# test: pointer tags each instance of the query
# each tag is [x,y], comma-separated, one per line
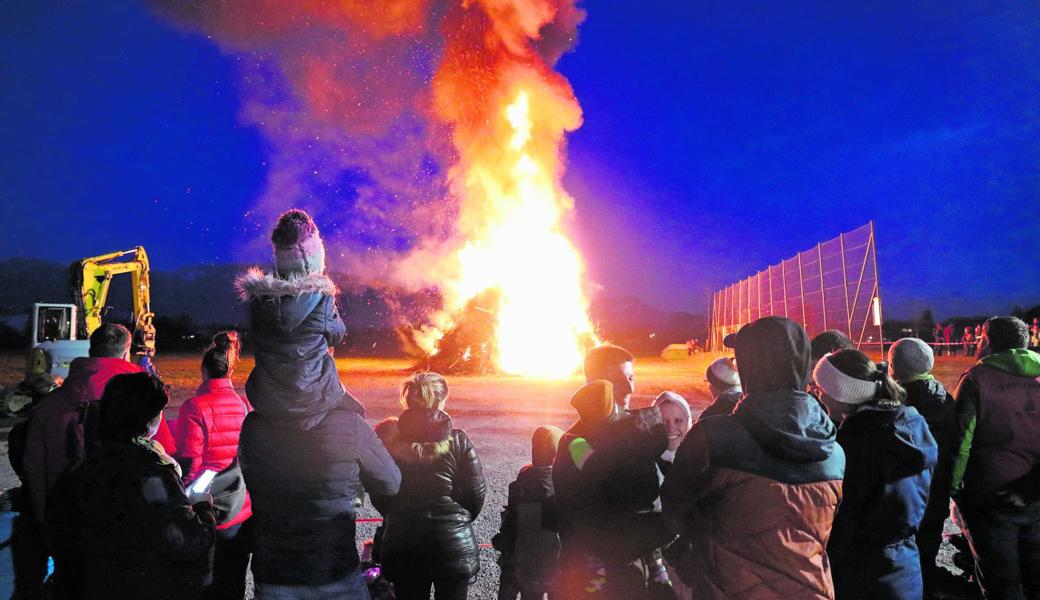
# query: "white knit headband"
[842,387]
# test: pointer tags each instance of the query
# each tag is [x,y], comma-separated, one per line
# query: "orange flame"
[510,112]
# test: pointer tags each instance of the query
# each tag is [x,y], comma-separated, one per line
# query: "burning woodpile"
[468,348]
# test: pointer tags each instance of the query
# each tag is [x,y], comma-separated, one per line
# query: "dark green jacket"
[998,415]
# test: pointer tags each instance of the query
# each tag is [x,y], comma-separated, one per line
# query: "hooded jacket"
[293,324]
[890,454]
[428,527]
[752,495]
[208,429]
[607,487]
[55,438]
[303,465]
[998,417]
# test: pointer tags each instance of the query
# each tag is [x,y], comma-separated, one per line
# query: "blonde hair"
[424,390]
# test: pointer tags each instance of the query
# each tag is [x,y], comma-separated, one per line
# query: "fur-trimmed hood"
[255,284]
[419,435]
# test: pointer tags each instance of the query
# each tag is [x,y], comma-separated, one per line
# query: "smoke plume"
[345,94]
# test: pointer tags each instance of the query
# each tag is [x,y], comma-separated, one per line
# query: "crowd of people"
[815,472]
[973,340]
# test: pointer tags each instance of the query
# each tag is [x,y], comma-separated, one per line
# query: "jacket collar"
[216,384]
[254,283]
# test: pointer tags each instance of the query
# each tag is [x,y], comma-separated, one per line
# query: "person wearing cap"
[910,362]
[752,495]
[996,479]
[607,486]
[724,385]
[527,539]
[890,454]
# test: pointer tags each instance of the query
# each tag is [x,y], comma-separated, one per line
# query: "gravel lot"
[498,413]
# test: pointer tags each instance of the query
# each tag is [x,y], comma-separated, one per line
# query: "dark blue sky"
[718,138]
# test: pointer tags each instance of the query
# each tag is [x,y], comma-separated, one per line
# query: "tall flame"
[521,251]
[510,112]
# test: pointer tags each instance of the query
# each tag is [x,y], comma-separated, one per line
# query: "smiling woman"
[678,419]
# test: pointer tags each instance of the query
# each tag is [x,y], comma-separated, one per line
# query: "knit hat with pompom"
[298,249]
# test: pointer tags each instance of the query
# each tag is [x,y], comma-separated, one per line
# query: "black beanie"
[129,403]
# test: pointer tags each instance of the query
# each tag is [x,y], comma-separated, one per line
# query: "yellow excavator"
[57,336]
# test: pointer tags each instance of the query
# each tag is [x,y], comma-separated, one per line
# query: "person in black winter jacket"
[528,540]
[306,449]
[910,362]
[889,458]
[428,537]
[121,524]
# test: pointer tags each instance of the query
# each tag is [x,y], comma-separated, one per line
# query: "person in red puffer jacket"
[207,439]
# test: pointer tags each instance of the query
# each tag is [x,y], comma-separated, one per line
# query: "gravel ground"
[498,413]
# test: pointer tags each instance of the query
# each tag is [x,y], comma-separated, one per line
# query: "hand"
[196,497]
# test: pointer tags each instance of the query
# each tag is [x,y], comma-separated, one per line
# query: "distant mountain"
[642,329]
[24,281]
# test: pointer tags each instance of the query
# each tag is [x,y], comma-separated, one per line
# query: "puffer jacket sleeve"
[683,486]
[335,328]
[190,440]
[469,486]
[172,526]
[379,473]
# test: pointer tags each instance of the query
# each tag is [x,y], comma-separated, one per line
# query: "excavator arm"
[93,280]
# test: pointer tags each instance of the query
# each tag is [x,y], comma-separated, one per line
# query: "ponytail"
[222,355]
[888,389]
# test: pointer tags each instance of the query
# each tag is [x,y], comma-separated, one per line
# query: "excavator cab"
[54,343]
[52,322]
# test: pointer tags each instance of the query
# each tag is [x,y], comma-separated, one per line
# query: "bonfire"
[514,297]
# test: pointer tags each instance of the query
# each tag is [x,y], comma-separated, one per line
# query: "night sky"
[718,139]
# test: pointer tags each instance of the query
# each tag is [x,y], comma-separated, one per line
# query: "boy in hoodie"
[305,449]
[995,473]
[752,495]
[605,478]
[724,385]
[527,539]
[889,455]
[910,362]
